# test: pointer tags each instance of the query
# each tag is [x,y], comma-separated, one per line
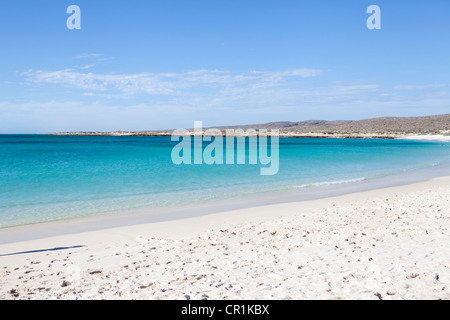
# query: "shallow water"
[46,178]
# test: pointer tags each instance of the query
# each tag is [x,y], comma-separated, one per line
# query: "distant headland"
[384,128]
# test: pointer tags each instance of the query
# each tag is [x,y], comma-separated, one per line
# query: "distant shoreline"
[413,136]
[420,128]
[168,134]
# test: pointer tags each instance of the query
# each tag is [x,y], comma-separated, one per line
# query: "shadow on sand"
[42,250]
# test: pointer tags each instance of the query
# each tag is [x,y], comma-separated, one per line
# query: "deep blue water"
[44,178]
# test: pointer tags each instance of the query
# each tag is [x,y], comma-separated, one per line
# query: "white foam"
[329,183]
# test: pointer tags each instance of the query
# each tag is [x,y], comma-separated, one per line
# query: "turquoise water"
[45,178]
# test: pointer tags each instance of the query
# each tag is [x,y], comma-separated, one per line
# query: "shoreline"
[407,226]
[111,220]
[380,127]
[317,135]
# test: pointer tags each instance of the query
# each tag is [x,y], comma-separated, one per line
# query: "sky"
[149,65]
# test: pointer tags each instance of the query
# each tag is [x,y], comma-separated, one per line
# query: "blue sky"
[138,65]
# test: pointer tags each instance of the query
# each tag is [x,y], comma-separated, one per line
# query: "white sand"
[429,137]
[391,243]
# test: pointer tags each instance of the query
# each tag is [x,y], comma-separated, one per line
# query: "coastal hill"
[429,124]
[386,127]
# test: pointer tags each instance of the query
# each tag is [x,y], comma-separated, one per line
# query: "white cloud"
[421,86]
[89,55]
[144,101]
[231,106]
[167,83]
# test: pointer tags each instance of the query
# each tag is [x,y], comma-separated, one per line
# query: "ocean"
[48,178]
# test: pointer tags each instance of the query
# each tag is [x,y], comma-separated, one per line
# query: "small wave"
[329,183]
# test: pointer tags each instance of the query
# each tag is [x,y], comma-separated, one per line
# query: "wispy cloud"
[139,101]
[240,108]
[168,83]
[89,55]
[422,86]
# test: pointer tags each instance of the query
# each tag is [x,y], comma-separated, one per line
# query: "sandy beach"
[391,243]
[222,151]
